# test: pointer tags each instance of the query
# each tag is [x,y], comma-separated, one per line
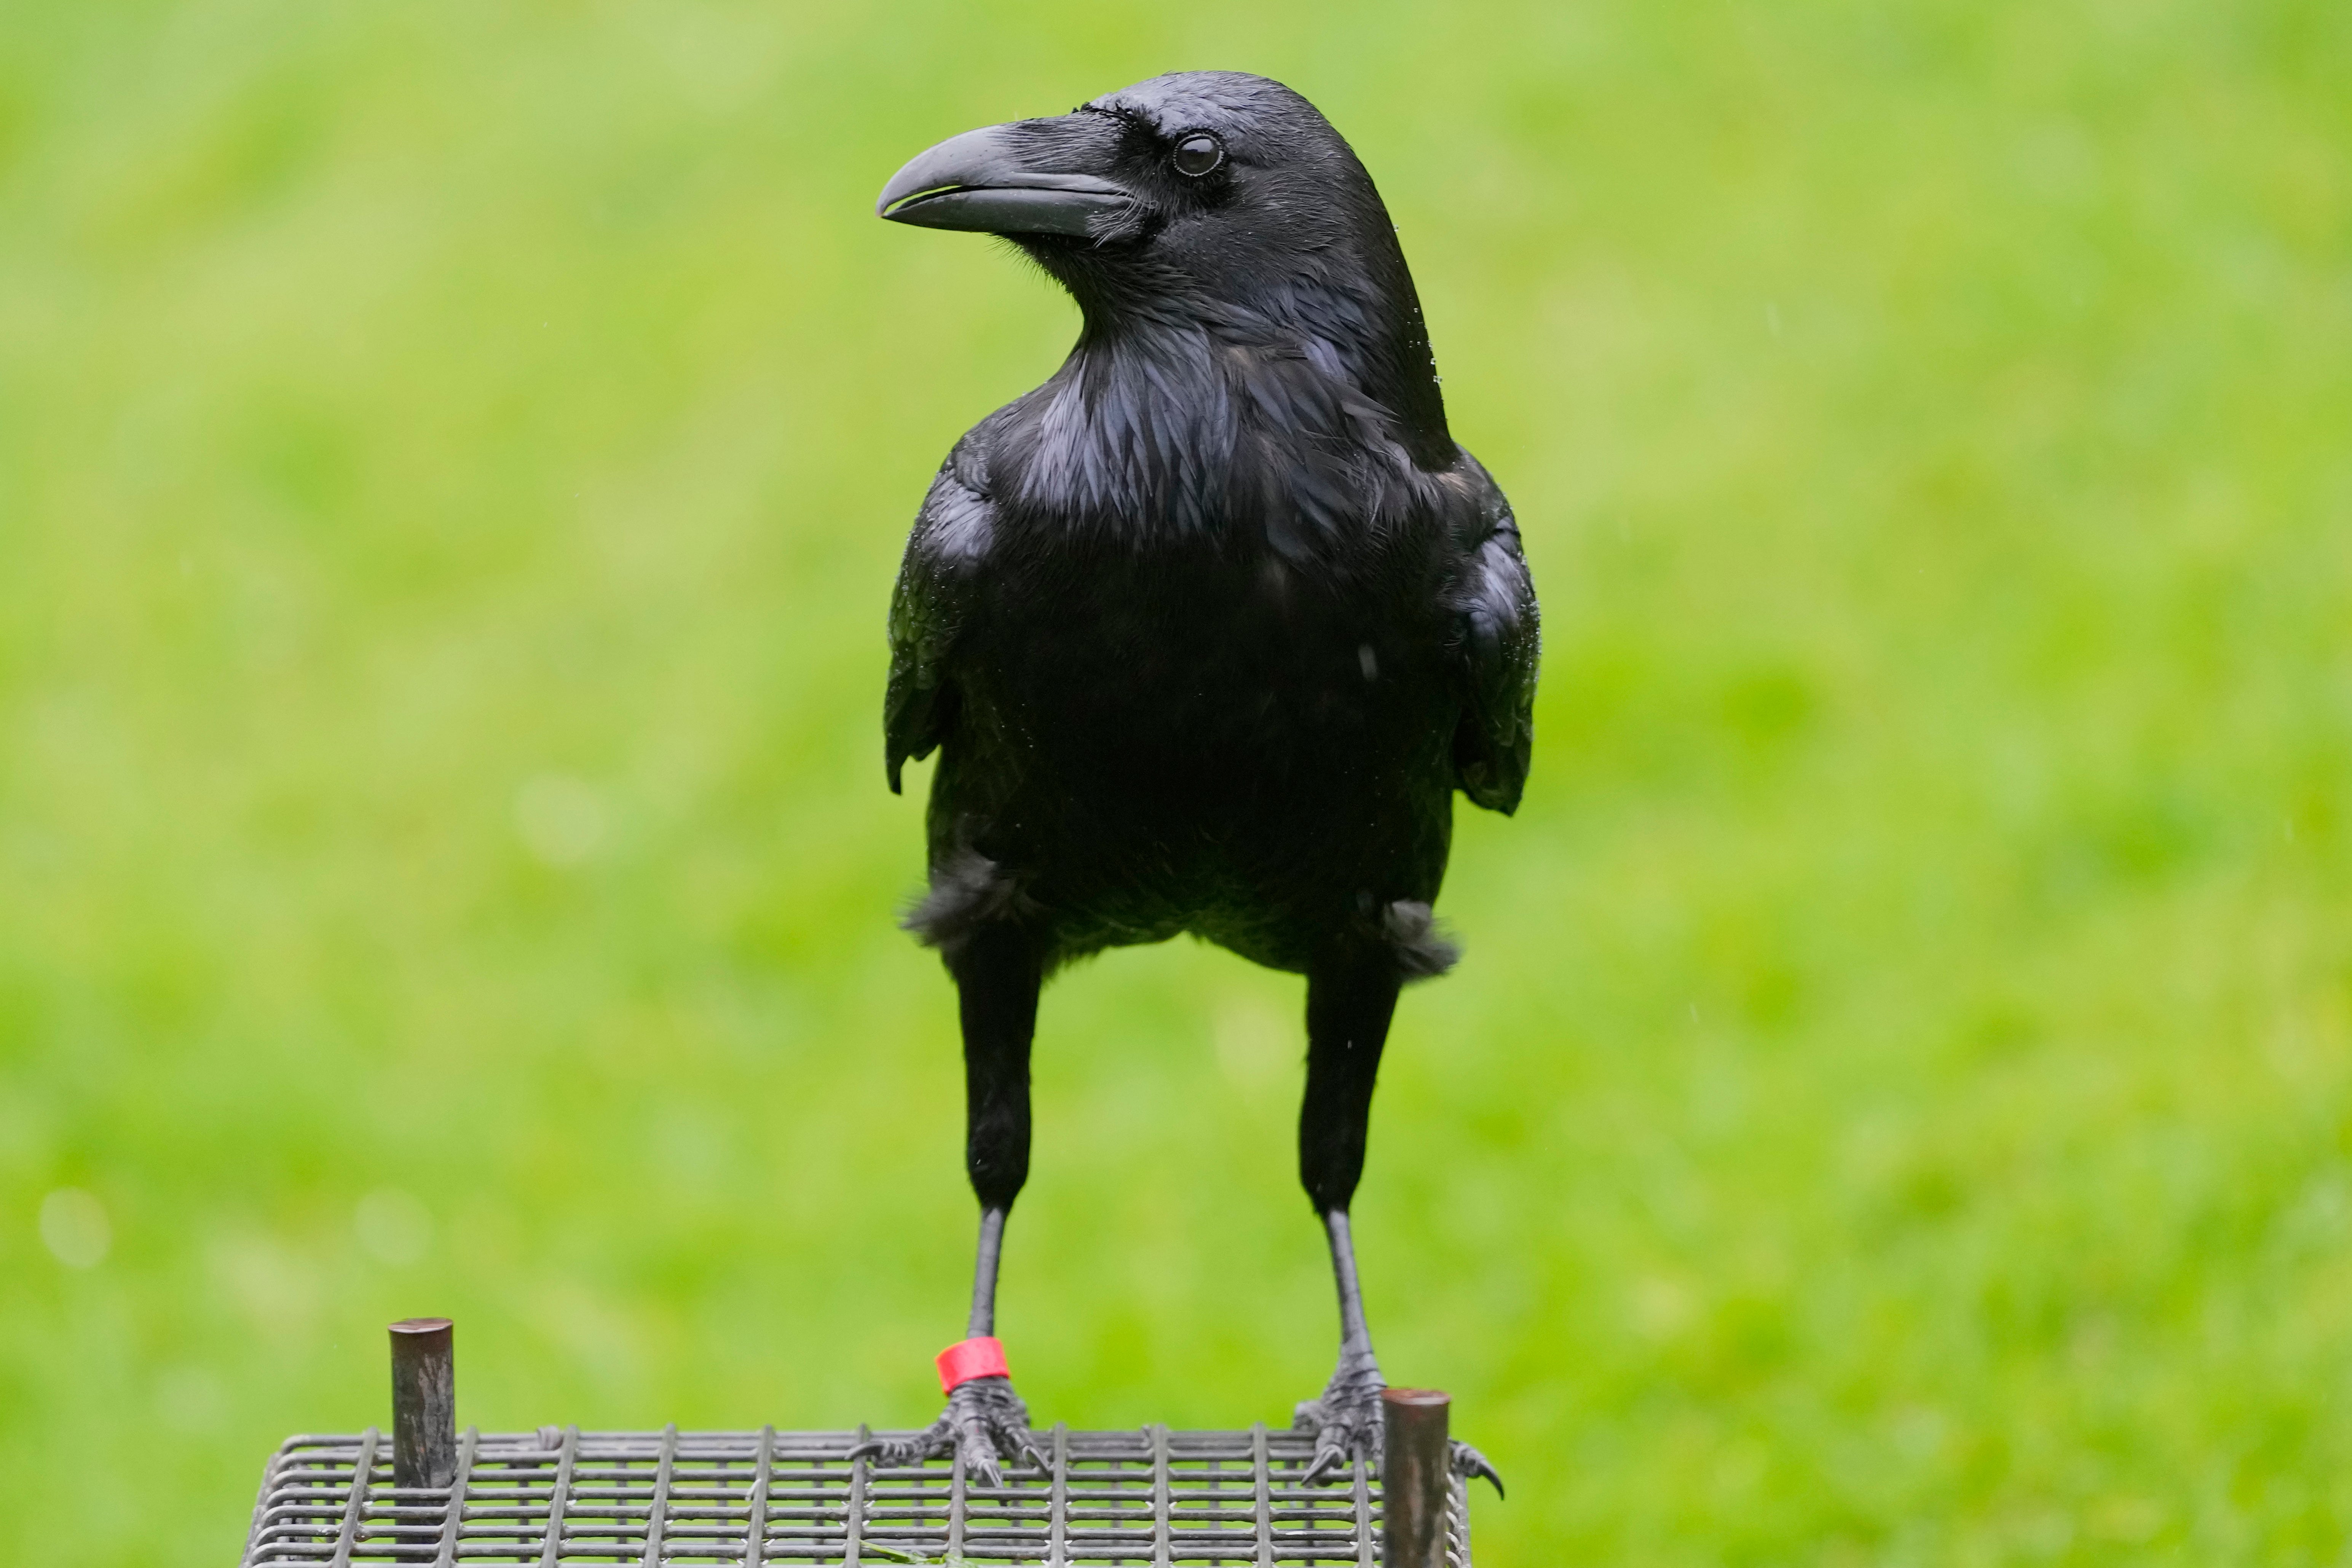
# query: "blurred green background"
[1896,1109]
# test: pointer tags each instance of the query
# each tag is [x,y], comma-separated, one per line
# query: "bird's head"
[1205,198]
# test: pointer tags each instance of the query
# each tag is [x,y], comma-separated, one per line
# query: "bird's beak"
[1031,176]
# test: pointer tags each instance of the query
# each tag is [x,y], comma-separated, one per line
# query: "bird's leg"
[983,1274]
[1348,1014]
[1346,1417]
[997,976]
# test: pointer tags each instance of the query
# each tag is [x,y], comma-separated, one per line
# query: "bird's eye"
[1197,153]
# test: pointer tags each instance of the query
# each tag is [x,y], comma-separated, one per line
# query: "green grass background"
[1895,1108]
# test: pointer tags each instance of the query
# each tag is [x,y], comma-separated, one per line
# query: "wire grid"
[557,1496]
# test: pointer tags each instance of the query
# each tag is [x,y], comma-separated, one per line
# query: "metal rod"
[424,1404]
[657,1512]
[453,1520]
[1057,1533]
[261,1503]
[852,1549]
[1262,1483]
[1162,1548]
[355,1505]
[1416,1469]
[1358,1468]
[958,1490]
[559,1497]
[755,1529]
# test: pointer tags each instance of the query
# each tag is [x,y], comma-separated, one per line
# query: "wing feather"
[1500,639]
[929,608]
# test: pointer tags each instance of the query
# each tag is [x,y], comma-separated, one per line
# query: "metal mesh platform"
[557,1496]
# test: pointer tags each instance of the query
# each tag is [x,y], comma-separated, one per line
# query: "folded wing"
[929,608]
[1498,642]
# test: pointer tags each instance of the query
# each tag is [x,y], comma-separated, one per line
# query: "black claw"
[1326,1458]
[1036,1456]
[1468,1462]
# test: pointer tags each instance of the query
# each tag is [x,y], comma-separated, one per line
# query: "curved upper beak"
[1031,176]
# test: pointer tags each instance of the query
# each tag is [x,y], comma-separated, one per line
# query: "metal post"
[424,1404]
[1414,1477]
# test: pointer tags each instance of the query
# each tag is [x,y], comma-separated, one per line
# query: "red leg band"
[962,1362]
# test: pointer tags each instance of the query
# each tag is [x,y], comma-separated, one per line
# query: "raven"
[1206,631]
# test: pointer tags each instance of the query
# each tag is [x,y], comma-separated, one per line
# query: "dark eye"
[1197,153]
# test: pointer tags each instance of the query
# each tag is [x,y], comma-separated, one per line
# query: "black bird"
[1206,630]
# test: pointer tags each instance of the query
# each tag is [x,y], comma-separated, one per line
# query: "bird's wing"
[928,609]
[1495,621]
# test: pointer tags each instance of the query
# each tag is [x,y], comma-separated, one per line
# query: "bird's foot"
[1345,1417]
[1347,1422]
[984,1422]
